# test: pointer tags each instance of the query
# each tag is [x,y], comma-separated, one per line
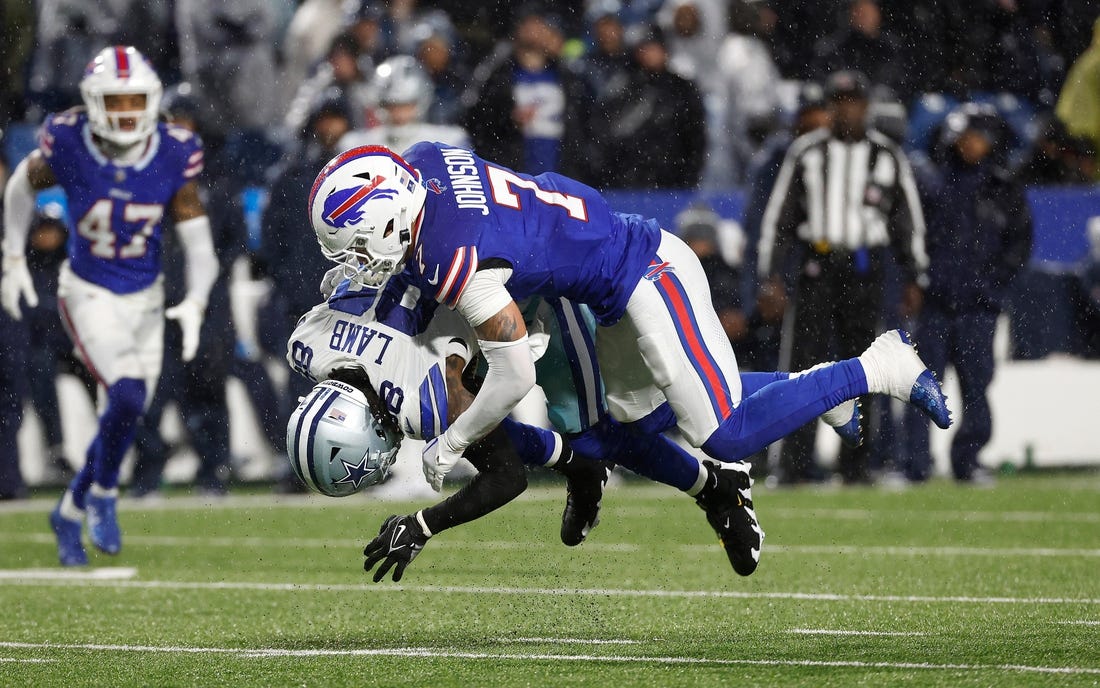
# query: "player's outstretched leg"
[66,521]
[843,418]
[585,478]
[726,498]
[893,367]
[117,426]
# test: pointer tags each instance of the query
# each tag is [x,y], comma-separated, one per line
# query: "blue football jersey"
[116,210]
[560,236]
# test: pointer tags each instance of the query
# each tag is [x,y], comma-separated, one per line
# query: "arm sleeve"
[511,376]
[202,263]
[501,478]
[18,210]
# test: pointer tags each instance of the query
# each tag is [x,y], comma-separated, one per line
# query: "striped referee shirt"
[836,195]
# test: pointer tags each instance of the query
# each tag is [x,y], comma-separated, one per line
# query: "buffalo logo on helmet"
[345,206]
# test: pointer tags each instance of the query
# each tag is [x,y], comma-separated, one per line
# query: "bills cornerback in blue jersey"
[116,210]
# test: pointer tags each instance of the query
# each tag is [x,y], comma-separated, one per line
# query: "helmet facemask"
[121,71]
[363,207]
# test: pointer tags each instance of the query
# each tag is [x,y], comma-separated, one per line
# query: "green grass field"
[936,586]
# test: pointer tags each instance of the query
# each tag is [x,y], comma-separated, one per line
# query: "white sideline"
[431,653]
[597,592]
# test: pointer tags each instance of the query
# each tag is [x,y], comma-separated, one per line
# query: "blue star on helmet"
[356,473]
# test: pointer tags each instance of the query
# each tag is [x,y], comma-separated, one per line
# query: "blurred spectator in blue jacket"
[524,108]
[978,237]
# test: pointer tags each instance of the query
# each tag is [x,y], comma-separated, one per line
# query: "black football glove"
[399,540]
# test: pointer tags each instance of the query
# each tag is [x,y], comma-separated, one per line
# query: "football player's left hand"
[399,541]
[189,315]
[438,460]
[17,283]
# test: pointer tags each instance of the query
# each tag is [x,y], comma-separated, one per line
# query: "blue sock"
[117,425]
[83,479]
[535,446]
[778,409]
[651,456]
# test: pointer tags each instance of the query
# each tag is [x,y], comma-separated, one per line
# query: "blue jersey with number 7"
[559,236]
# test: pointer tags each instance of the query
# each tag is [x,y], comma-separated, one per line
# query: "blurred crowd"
[648,94]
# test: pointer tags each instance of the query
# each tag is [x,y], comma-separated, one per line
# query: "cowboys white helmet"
[114,71]
[401,80]
[336,444]
[363,206]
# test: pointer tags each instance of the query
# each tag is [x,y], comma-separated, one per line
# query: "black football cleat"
[727,501]
[584,483]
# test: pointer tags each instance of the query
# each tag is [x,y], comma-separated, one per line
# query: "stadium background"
[928,56]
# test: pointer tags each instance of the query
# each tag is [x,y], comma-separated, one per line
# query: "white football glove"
[189,315]
[439,459]
[17,283]
[331,280]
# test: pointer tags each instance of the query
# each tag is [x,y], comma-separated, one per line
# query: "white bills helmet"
[363,205]
[337,445]
[121,70]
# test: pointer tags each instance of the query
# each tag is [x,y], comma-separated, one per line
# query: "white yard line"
[1082,622]
[569,641]
[21,660]
[639,497]
[588,592]
[829,631]
[432,653]
[842,550]
[105,573]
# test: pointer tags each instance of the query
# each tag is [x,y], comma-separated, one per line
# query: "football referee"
[843,211]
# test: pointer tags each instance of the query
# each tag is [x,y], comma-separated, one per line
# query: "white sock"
[97,490]
[699,482]
[877,380]
[556,454]
[68,508]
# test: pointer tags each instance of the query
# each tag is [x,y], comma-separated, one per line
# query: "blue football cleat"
[893,359]
[70,550]
[845,420]
[103,523]
[928,396]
